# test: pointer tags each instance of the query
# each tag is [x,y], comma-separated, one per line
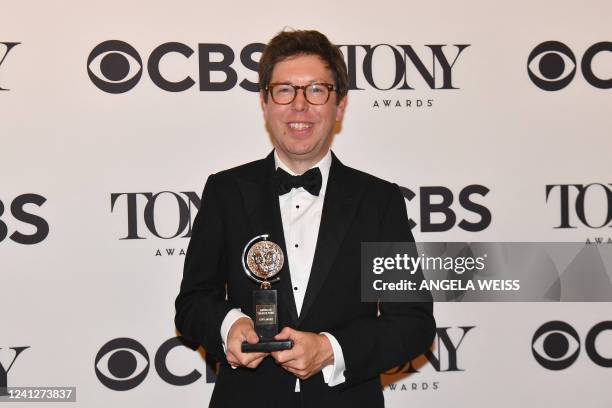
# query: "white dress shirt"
[301,217]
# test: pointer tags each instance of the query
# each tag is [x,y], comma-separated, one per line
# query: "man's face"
[302,132]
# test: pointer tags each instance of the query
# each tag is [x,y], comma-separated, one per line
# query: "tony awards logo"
[262,260]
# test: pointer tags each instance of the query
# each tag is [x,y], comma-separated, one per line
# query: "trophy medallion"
[262,260]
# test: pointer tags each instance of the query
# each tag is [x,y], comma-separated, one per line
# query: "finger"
[244,359]
[297,364]
[278,356]
[234,349]
[252,356]
[230,356]
[256,362]
[284,356]
[247,358]
[301,374]
[233,361]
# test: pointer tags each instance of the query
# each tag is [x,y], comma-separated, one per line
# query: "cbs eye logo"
[122,364]
[114,66]
[556,345]
[552,65]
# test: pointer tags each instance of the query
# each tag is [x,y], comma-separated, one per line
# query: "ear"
[340,108]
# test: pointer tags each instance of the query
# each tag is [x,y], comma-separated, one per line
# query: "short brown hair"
[288,44]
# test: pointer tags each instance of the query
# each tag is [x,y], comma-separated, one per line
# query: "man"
[341,345]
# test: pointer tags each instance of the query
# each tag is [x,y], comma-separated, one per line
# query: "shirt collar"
[324,165]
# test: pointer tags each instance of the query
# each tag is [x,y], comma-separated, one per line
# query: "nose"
[300,103]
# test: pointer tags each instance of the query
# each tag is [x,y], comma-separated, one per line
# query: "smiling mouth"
[299,125]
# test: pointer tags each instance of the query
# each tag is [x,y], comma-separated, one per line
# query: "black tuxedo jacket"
[241,203]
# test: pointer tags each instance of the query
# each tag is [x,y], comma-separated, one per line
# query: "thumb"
[252,337]
[286,334]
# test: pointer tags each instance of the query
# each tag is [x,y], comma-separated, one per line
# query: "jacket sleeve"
[201,304]
[401,331]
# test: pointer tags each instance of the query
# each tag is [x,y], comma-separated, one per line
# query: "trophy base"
[266,346]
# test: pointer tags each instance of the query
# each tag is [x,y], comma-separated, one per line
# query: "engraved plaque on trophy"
[262,260]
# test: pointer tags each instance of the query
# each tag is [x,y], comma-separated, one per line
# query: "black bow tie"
[311,181]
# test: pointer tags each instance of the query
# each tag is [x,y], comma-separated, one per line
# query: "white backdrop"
[70,292]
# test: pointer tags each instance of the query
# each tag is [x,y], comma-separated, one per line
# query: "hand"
[310,353]
[242,330]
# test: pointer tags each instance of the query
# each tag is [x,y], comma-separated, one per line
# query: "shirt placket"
[297,267]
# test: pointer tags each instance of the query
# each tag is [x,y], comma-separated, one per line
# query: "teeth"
[299,125]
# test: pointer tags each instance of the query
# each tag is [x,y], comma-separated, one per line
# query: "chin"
[299,150]
[300,154]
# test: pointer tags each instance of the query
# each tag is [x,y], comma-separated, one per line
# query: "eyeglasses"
[315,94]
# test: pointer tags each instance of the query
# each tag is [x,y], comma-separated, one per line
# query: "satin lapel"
[261,202]
[341,200]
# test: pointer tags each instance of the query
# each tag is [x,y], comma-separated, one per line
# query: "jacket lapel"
[261,203]
[341,201]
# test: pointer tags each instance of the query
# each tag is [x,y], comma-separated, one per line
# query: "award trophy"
[262,260]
